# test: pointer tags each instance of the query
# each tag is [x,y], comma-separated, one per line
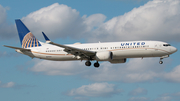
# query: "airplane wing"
[72,50]
[76,51]
[23,49]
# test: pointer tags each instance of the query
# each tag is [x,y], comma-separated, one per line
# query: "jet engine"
[104,56]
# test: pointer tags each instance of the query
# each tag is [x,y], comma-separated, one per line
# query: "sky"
[71,21]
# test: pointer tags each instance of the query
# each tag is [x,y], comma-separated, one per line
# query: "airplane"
[114,52]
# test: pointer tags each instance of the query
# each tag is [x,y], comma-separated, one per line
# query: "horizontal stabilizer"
[23,49]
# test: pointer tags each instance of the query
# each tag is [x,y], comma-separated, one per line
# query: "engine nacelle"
[118,61]
[104,56]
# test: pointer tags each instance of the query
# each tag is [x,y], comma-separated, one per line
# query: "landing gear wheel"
[96,64]
[88,63]
[161,62]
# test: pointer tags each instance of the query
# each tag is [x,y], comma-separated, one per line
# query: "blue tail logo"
[27,39]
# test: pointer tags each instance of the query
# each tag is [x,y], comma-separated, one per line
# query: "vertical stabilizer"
[27,39]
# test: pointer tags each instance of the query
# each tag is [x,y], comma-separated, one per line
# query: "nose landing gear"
[161,62]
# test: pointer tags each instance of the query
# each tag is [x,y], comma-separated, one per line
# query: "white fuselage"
[120,50]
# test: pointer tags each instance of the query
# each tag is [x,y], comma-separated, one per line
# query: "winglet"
[46,38]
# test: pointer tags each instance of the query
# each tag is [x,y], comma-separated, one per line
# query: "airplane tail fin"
[27,39]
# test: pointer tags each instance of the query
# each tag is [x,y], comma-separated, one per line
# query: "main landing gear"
[88,63]
[96,64]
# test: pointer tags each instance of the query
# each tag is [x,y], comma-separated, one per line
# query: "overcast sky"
[66,22]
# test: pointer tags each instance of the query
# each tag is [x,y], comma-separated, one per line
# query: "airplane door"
[156,47]
[155,51]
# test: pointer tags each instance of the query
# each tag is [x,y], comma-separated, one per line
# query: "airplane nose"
[173,49]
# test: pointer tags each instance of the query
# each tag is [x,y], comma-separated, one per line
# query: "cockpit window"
[166,45]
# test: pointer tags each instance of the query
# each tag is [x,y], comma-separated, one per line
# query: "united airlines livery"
[114,52]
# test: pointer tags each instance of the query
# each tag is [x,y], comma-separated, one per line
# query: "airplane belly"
[55,57]
[134,53]
[60,58]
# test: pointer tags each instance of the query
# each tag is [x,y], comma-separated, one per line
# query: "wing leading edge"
[72,50]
